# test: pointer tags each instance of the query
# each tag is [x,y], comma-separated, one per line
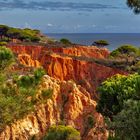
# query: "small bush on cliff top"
[100,43]
[65,41]
[125,49]
[61,132]
[26,34]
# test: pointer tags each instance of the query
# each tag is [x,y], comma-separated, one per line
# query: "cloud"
[49,25]
[49,5]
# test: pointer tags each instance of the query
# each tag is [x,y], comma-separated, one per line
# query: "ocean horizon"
[115,39]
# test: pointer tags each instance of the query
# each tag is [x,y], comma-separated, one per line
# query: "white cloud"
[49,25]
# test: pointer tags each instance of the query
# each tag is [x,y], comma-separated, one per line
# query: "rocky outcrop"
[61,63]
[26,60]
[88,74]
[70,105]
[37,51]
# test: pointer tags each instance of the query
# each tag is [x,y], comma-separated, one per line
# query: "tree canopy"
[21,34]
[135,5]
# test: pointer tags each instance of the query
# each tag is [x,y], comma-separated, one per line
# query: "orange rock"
[26,60]
[60,65]
[70,104]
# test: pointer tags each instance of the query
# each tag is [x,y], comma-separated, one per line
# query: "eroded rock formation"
[70,105]
[61,63]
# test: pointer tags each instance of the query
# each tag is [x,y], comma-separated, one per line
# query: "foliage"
[6,57]
[125,49]
[38,73]
[26,81]
[100,43]
[3,43]
[26,34]
[31,80]
[61,132]
[120,103]
[114,91]
[127,123]
[18,94]
[3,30]
[65,41]
[135,5]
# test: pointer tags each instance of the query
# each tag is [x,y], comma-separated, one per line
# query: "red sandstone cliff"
[70,104]
[36,51]
[60,64]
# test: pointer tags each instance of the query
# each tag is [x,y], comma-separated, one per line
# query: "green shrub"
[100,43]
[114,91]
[65,41]
[61,132]
[13,105]
[3,43]
[126,124]
[6,57]
[8,33]
[125,49]
[119,103]
[38,73]
[26,81]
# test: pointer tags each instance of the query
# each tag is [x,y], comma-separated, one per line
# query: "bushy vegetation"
[6,57]
[126,57]
[8,33]
[18,93]
[119,103]
[65,41]
[125,49]
[61,132]
[135,5]
[127,122]
[114,91]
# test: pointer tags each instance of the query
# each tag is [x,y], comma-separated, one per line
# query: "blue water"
[115,39]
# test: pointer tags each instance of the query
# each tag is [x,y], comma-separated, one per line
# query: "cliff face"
[70,105]
[61,64]
[88,74]
[37,51]
[26,60]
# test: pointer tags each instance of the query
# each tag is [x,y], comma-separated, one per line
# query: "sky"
[70,16]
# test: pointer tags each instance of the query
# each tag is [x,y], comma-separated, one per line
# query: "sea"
[115,39]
